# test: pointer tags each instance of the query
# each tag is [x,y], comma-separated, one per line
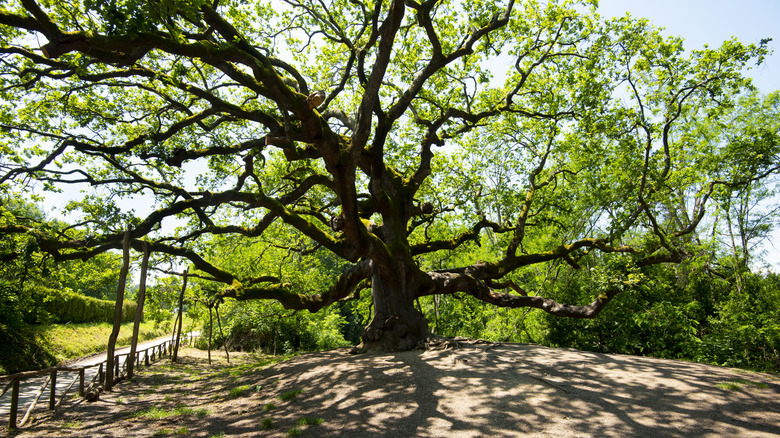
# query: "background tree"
[376,132]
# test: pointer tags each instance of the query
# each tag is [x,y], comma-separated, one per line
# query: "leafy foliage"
[305,152]
[745,332]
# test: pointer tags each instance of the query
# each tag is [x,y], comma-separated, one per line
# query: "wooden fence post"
[53,392]
[14,405]
[120,296]
[81,382]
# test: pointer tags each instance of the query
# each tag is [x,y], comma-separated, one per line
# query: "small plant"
[295,431]
[267,423]
[182,431]
[268,406]
[162,432]
[309,421]
[120,400]
[289,395]
[238,391]
[73,424]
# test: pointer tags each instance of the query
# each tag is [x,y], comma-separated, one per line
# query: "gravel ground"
[473,391]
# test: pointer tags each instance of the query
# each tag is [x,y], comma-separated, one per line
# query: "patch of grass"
[73,424]
[267,423]
[751,383]
[736,384]
[120,400]
[182,431]
[153,413]
[295,431]
[268,406]
[309,421]
[289,395]
[238,391]
[157,413]
[729,386]
[162,432]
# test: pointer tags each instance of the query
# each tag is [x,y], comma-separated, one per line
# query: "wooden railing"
[98,381]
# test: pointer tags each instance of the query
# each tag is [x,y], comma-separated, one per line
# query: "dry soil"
[479,390]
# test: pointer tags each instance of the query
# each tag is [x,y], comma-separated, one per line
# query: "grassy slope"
[46,345]
[70,341]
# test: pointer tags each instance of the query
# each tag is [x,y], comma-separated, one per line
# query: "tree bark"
[175,355]
[222,335]
[139,312]
[395,324]
[120,296]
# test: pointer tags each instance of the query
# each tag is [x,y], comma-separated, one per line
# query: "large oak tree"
[384,133]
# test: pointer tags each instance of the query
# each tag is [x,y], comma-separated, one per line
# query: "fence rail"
[145,357]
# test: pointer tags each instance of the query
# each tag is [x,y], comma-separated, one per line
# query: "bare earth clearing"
[478,390]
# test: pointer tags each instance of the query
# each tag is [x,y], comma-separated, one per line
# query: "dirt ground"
[491,390]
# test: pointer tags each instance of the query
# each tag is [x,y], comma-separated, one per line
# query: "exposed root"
[444,343]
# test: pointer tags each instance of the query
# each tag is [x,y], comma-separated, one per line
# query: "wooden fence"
[98,381]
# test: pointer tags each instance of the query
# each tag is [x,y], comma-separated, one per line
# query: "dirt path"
[482,390]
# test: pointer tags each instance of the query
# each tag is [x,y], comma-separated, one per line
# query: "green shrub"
[745,332]
[254,326]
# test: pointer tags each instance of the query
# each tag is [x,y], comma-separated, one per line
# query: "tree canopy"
[379,140]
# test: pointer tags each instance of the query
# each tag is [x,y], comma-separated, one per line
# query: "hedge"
[63,306]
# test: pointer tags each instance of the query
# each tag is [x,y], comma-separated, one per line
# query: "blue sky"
[711,22]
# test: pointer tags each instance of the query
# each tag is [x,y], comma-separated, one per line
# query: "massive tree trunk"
[395,324]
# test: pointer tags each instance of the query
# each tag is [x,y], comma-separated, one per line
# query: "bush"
[746,331]
[257,326]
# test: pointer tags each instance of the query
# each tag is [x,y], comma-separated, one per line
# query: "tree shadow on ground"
[474,391]
[511,389]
